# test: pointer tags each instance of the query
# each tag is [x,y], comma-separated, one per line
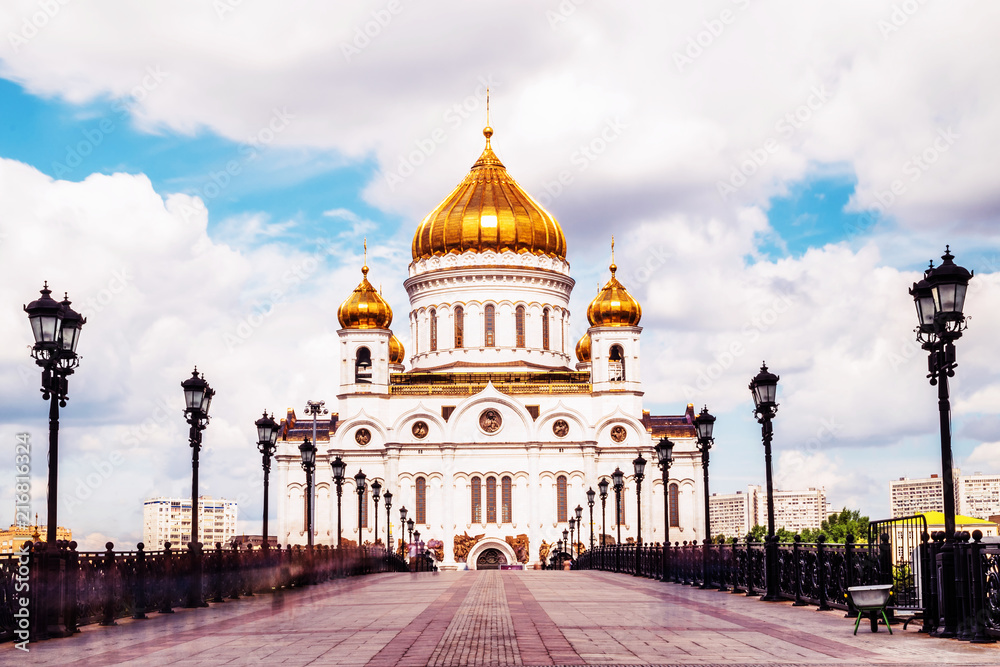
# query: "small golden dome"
[396,351]
[614,306]
[583,349]
[489,211]
[365,308]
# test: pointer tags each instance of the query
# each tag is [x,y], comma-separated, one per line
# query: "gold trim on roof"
[488,211]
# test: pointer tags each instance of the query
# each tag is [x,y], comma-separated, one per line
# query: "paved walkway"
[499,618]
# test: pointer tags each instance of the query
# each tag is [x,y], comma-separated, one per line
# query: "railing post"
[821,571]
[797,560]
[109,585]
[233,570]
[70,580]
[928,584]
[217,569]
[38,611]
[963,588]
[749,561]
[979,603]
[885,567]
[141,599]
[167,582]
[55,603]
[849,581]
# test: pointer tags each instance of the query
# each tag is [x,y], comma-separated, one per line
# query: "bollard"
[140,581]
[109,585]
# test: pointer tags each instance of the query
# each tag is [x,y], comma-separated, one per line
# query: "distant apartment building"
[980,495]
[908,497]
[734,514]
[14,537]
[169,520]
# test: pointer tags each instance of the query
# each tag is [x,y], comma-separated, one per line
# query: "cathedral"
[493,434]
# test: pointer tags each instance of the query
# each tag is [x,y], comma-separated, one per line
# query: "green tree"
[839,524]
[757,533]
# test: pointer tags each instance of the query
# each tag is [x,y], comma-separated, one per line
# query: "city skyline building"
[735,514]
[169,520]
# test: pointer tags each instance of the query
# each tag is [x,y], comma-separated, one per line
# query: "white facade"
[735,514]
[169,520]
[490,407]
[908,497]
[980,496]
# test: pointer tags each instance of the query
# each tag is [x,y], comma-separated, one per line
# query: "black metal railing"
[65,588]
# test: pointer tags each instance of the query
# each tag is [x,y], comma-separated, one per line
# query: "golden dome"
[614,306]
[583,349]
[396,351]
[489,211]
[365,308]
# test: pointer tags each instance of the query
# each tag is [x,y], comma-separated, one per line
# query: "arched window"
[561,513]
[489,315]
[506,493]
[459,326]
[545,329]
[364,508]
[675,515]
[477,501]
[363,366]
[616,364]
[434,330]
[491,500]
[421,501]
[519,326]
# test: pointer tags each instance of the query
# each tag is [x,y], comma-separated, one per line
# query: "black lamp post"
[409,528]
[339,468]
[308,452]
[360,485]
[579,531]
[603,488]
[376,494]
[639,465]
[704,424]
[420,547]
[565,541]
[664,457]
[590,504]
[940,301]
[267,437]
[618,483]
[56,330]
[197,401]
[388,522]
[764,387]
[402,529]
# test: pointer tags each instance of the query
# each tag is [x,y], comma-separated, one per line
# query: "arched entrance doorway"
[490,559]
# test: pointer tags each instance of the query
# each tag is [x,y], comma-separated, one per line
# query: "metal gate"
[904,544]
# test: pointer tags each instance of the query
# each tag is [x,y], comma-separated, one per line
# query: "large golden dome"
[614,306]
[365,308]
[396,350]
[489,211]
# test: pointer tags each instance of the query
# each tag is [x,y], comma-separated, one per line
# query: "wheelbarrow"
[871,600]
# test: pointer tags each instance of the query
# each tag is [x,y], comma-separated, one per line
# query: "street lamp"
[618,483]
[388,522]
[764,388]
[409,527]
[590,504]
[572,525]
[308,452]
[360,486]
[56,330]
[267,437]
[940,300]
[376,494]
[704,424]
[639,466]
[664,457]
[339,468]
[197,401]
[565,541]
[420,547]
[603,488]
[402,529]
[579,531]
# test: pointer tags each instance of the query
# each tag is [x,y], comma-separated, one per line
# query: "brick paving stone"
[499,618]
